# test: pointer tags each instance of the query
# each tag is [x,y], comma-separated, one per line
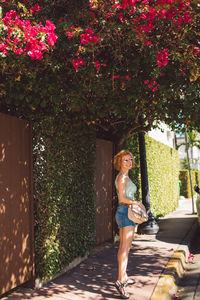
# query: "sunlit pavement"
[149,257]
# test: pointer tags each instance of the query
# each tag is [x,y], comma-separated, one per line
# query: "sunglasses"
[126,160]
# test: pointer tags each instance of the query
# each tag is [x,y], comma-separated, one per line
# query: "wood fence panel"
[16,203]
[104,194]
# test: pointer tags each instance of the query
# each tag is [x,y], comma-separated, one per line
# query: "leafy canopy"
[120,65]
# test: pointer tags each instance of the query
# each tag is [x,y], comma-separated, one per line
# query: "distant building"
[168,137]
[164,135]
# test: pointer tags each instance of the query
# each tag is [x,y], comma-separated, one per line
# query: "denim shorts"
[121,216]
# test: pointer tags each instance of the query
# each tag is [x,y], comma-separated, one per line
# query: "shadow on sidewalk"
[97,274]
[175,229]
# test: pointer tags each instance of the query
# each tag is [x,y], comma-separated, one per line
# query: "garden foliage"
[184,177]
[64,202]
[120,65]
[163,174]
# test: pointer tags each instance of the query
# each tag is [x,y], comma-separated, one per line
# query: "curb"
[166,286]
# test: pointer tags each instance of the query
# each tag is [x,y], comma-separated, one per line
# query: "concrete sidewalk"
[155,262]
[189,285]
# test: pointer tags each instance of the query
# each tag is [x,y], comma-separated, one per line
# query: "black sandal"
[121,289]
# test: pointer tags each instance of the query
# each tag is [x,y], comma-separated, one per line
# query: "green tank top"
[130,188]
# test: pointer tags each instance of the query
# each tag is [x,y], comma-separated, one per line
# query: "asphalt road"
[189,285]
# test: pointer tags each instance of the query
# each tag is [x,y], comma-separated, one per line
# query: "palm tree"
[192,141]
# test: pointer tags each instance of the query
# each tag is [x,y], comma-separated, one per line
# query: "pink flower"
[36,8]
[162,58]
[35,54]
[121,17]
[95,39]
[143,16]
[154,89]
[191,256]
[18,51]
[50,26]
[97,65]
[3,46]
[77,62]
[69,34]
[51,38]
[28,39]
[88,36]
[147,43]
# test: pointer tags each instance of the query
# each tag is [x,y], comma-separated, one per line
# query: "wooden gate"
[104,193]
[16,203]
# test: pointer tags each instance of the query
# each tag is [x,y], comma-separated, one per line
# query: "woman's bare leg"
[126,235]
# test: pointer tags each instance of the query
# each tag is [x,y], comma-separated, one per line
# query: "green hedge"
[163,174]
[64,209]
[185,181]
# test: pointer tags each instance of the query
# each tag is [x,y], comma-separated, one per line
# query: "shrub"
[64,152]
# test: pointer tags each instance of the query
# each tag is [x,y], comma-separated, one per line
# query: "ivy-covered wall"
[185,181]
[64,152]
[163,174]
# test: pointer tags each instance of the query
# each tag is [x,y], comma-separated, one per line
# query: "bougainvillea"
[121,64]
[148,42]
[24,36]
[140,17]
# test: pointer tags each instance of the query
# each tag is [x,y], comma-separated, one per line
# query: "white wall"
[163,135]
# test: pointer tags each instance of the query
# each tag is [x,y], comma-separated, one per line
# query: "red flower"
[154,89]
[97,65]
[88,36]
[51,38]
[77,62]
[36,8]
[162,58]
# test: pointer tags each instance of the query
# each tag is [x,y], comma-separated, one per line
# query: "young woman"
[123,162]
